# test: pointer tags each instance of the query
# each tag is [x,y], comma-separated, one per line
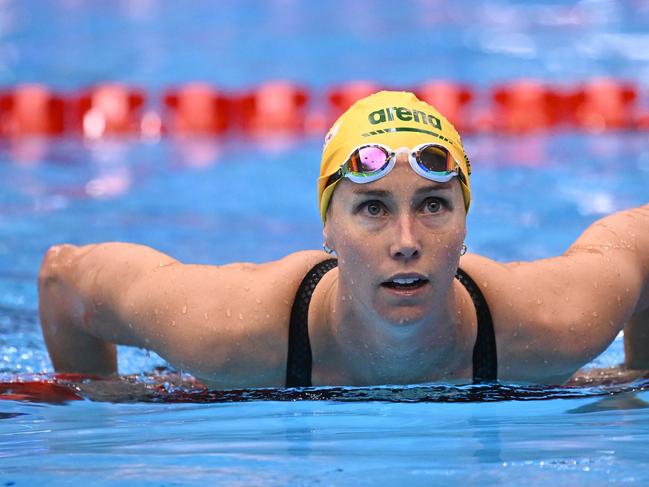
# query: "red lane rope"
[287,108]
[38,391]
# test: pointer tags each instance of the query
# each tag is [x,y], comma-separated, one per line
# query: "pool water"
[572,442]
[214,202]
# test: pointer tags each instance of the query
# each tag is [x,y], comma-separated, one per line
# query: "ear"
[327,238]
[464,230]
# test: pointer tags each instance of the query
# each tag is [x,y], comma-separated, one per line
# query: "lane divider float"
[282,107]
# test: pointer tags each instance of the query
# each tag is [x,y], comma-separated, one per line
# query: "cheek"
[357,253]
[355,274]
[357,250]
[444,248]
[457,235]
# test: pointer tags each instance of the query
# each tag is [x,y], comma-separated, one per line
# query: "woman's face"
[398,242]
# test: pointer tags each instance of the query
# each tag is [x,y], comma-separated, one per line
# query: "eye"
[372,208]
[433,205]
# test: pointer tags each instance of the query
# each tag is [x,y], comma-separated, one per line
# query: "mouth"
[405,283]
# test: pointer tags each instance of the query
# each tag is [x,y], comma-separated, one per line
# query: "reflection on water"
[621,401]
[166,386]
[304,442]
[405,394]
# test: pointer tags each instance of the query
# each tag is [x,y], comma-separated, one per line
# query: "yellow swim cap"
[392,118]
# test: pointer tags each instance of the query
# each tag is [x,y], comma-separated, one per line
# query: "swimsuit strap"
[300,361]
[485,356]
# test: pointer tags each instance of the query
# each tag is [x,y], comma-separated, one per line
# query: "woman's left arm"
[554,315]
[623,239]
[636,341]
[632,230]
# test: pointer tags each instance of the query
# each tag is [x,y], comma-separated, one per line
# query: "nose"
[406,245]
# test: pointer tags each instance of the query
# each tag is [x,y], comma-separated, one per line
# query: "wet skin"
[401,227]
[390,313]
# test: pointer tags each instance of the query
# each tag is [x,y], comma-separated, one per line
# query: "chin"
[402,315]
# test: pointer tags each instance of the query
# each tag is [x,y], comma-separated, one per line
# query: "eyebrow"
[372,192]
[434,187]
[381,193]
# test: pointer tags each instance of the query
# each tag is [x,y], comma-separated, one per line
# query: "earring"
[463,249]
[327,249]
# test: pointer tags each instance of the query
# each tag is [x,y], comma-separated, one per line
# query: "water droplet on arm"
[184,310]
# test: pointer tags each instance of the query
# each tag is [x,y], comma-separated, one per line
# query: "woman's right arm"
[226,324]
[78,289]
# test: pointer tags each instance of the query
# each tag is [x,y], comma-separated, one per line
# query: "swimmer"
[393,299]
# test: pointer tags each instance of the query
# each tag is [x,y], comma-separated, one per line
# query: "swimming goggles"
[370,162]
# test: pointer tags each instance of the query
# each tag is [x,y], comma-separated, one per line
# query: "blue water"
[325,443]
[240,43]
[208,202]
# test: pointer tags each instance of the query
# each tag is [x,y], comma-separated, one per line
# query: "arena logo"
[402,113]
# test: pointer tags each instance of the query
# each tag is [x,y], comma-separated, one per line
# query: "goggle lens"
[368,160]
[435,159]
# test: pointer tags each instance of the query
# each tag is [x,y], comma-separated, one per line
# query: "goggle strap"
[335,177]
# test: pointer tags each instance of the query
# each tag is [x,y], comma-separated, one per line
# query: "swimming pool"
[211,202]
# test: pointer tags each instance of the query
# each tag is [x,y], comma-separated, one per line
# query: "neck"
[372,350]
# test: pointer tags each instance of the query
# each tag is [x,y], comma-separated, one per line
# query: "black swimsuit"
[299,363]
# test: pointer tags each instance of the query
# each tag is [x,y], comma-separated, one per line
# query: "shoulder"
[278,277]
[263,291]
[281,276]
[550,316]
[236,318]
[298,263]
